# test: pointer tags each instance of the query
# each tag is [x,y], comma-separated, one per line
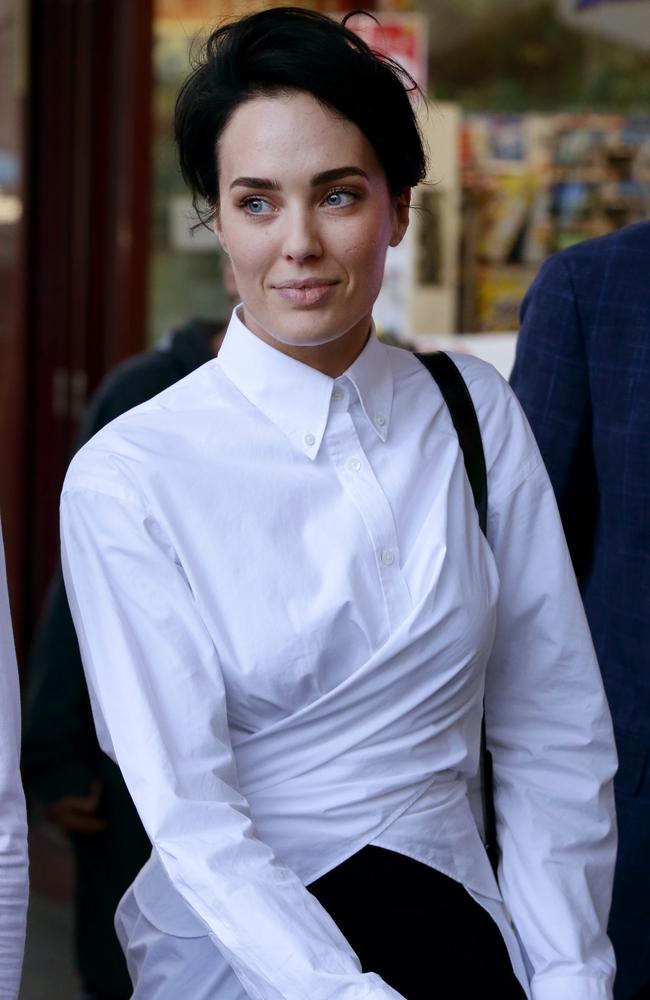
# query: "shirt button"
[354,464]
[380,421]
[388,557]
[337,394]
[309,440]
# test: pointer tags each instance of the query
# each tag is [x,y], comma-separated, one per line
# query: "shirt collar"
[296,397]
[372,377]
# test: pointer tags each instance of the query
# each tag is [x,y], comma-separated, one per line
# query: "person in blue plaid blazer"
[582,374]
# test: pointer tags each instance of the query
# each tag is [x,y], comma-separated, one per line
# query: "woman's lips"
[311,294]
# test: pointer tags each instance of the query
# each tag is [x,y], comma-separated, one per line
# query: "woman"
[13,822]
[287,610]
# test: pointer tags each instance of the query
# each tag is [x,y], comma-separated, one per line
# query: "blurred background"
[538,127]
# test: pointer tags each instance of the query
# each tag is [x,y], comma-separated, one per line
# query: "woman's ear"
[401,206]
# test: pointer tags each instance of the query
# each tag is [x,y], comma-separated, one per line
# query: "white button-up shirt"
[287,613]
[13,822]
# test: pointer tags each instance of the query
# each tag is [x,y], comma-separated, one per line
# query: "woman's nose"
[301,238]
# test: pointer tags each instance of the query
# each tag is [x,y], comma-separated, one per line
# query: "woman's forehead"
[291,132]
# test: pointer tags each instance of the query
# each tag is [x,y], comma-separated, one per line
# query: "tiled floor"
[48,973]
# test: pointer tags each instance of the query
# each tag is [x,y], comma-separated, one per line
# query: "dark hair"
[284,49]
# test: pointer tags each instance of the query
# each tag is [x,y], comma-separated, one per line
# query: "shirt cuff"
[572,988]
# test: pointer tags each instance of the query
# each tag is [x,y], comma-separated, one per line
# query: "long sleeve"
[13,822]
[60,751]
[551,380]
[550,733]
[160,707]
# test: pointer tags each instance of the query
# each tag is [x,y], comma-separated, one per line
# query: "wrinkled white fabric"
[286,609]
[13,822]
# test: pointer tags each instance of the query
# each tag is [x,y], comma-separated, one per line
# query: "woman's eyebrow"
[337,174]
[325,177]
[255,182]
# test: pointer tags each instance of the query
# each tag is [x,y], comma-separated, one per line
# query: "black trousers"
[418,929]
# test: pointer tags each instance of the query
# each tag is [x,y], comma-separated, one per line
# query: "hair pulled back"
[285,49]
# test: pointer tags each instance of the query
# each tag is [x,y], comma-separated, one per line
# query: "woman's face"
[306,217]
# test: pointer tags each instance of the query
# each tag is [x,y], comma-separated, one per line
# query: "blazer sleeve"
[551,379]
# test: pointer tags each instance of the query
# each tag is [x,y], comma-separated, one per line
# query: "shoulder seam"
[527,468]
[129,497]
[524,473]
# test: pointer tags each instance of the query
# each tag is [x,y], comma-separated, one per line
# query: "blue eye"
[339,199]
[256,206]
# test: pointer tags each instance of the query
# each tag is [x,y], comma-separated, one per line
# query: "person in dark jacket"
[582,374]
[82,789]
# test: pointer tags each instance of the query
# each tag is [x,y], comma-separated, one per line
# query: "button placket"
[359,480]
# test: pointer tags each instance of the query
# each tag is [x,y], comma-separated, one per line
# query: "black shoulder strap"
[461,408]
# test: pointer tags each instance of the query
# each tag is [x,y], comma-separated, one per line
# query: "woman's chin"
[305,334]
[320,339]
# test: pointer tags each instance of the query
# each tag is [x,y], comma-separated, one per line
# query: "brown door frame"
[87,239]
